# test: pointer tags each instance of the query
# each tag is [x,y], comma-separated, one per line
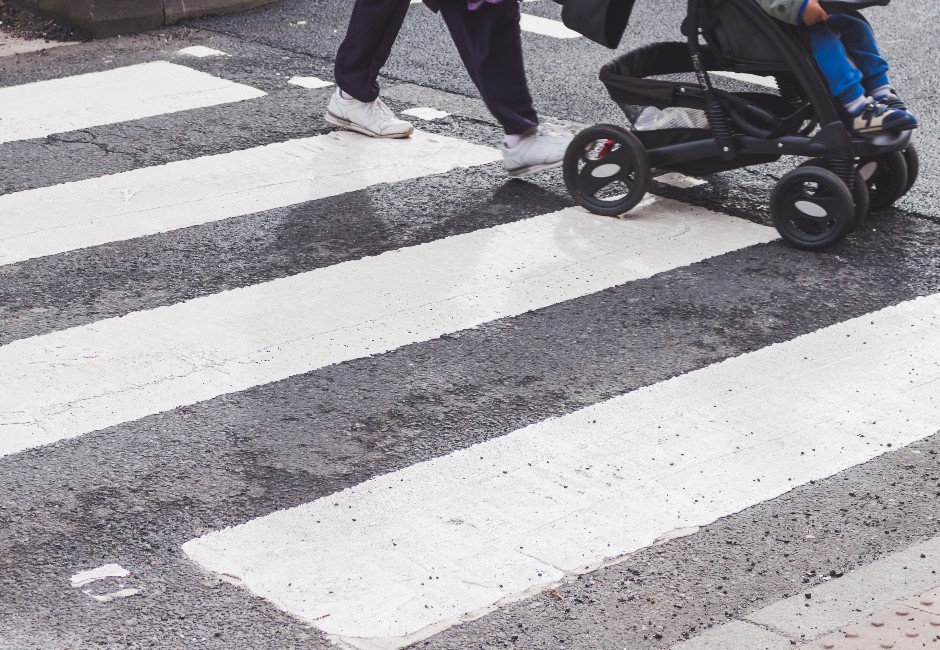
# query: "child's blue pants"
[846,52]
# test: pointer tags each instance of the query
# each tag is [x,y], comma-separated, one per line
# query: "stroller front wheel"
[860,192]
[607,170]
[812,208]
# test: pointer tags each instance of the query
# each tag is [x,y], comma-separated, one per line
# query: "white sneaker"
[542,150]
[374,118]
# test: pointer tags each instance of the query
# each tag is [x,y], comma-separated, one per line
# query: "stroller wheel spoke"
[598,174]
[591,184]
[607,170]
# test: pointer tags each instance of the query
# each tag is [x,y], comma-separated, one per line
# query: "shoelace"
[384,112]
[552,131]
[874,110]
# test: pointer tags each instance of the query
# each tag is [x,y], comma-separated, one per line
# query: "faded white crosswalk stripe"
[546,27]
[407,554]
[539,25]
[82,101]
[71,382]
[757,80]
[145,201]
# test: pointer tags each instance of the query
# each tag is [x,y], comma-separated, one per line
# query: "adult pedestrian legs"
[489,42]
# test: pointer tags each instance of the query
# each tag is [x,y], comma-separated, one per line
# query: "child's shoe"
[877,118]
[891,100]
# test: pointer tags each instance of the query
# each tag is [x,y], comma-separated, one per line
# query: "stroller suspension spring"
[789,90]
[721,127]
[844,169]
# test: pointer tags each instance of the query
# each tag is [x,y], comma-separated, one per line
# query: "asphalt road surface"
[266,385]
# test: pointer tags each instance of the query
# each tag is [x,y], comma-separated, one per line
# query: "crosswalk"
[386,539]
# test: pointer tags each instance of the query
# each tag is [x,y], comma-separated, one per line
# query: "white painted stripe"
[10,45]
[546,27]
[83,578]
[201,51]
[67,383]
[680,180]
[758,80]
[45,107]
[425,113]
[409,553]
[177,195]
[106,598]
[310,82]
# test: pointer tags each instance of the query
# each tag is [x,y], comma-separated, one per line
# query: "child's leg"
[845,80]
[859,41]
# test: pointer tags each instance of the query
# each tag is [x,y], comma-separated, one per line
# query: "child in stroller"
[608,168]
[846,52]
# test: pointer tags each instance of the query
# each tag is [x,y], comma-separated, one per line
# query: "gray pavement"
[134,493]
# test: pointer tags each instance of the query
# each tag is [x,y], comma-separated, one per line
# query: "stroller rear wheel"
[812,208]
[607,170]
[887,178]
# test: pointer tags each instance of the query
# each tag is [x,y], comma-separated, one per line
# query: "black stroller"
[697,129]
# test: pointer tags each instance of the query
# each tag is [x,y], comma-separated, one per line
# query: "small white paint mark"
[83,578]
[425,113]
[546,27]
[680,180]
[104,598]
[201,51]
[309,82]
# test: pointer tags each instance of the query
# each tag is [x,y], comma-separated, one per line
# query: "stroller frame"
[746,129]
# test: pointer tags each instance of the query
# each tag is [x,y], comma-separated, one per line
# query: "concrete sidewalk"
[891,603]
[101,18]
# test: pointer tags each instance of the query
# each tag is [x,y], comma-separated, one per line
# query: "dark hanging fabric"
[602,21]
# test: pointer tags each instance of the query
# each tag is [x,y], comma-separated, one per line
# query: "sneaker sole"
[519,172]
[879,129]
[352,126]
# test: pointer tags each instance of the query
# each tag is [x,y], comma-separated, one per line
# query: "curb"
[102,18]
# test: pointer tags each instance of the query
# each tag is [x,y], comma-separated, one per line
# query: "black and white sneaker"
[892,100]
[877,118]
